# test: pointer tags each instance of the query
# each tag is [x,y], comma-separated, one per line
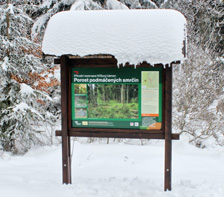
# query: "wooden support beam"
[89,62]
[57,61]
[103,62]
[118,135]
[66,155]
[107,130]
[168,127]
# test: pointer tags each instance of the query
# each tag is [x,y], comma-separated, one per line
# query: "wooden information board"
[98,99]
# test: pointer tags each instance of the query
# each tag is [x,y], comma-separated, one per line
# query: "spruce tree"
[22,104]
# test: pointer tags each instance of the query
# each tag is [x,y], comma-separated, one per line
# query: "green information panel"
[117,98]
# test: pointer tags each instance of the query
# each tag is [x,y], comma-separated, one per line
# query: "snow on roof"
[133,36]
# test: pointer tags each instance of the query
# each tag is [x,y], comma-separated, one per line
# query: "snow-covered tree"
[198,90]
[50,7]
[22,103]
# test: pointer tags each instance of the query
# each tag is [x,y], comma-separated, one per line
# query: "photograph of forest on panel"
[80,101]
[118,101]
[80,88]
[80,113]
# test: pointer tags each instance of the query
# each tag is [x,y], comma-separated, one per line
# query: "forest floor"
[125,169]
[114,109]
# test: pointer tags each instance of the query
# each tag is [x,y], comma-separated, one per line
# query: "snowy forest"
[30,82]
[113,101]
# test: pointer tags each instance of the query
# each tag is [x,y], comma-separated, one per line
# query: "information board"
[129,98]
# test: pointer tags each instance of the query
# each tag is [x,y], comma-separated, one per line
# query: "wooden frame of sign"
[67,63]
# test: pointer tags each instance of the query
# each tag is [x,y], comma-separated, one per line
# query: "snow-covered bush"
[198,83]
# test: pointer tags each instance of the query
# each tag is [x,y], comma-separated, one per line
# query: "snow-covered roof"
[133,36]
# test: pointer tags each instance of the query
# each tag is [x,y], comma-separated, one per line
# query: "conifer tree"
[22,104]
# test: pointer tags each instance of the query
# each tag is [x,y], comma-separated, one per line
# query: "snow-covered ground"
[126,169]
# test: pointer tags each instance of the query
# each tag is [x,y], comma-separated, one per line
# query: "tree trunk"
[122,93]
[7,19]
[95,95]
[91,98]
[104,94]
[127,93]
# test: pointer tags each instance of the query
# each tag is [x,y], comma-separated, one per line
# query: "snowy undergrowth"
[115,169]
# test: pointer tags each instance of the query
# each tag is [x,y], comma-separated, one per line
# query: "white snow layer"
[133,36]
[115,5]
[84,4]
[21,106]
[5,63]
[25,89]
[114,170]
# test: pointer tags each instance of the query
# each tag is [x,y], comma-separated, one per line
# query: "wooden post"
[66,155]
[168,127]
